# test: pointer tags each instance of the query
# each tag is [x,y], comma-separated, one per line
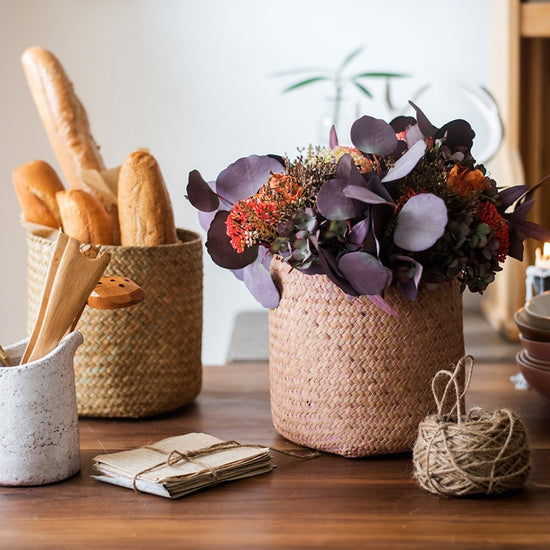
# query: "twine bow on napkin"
[175,456]
[461,454]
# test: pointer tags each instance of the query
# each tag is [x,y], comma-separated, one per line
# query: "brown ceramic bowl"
[538,379]
[537,349]
[530,361]
[528,330]
[537,311]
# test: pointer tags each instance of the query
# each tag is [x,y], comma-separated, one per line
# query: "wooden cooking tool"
[5,360]
[115,292]
[71,277]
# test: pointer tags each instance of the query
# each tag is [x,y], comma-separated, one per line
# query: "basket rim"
[186,236]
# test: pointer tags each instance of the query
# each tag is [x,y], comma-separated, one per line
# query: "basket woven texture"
[349,379]
[145,359]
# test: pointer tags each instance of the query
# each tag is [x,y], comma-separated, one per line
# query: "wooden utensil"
[71,277]
[5,360]
[114,293]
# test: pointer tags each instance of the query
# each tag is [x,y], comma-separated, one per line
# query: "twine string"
[476,453]
[175,456]
[465,365]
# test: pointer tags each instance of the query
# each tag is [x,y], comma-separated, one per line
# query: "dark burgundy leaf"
[401,123]
[219,246]
[510,195]
[457,133]
[200,194]
[426,127]
[533,230]
[333,138]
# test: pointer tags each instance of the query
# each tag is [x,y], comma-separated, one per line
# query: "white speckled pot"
[39,441]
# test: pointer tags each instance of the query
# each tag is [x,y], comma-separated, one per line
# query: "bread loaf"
[145,211]
[62,114]
[84,217]
[36,184]
[66,123]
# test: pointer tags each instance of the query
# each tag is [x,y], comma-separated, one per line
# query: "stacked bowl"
[533,359]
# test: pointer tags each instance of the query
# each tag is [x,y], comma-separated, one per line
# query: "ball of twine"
[478,453]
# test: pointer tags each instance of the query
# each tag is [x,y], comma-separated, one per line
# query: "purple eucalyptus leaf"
[333,138]
[410,288]
[406,163]
[258,280]
[244,177]
[426,127]
[363,194]
[372,182]
[219,246]
[333,204]
[331,270]
[413,135]
[239,273]
[510,195]
[420,223]
[205,219]
[364,272]
[378,301]
[359,232]
[373,135]
[200,194]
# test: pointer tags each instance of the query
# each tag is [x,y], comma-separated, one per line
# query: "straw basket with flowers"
[361,254]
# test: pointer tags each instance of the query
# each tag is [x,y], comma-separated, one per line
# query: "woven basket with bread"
[136,361]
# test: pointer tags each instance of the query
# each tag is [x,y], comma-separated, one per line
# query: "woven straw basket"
[145,359]
[349,379]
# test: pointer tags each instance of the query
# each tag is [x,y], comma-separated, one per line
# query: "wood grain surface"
[322,502]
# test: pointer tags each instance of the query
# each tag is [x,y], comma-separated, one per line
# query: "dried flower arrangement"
[407,204]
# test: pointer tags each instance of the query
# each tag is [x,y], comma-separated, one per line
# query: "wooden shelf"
[535,20]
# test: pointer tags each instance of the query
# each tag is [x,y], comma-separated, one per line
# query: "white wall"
[192,80]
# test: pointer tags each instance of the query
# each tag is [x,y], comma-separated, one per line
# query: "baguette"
[84,217]
[62,114]
[145,211]
[36,184]
[66,123]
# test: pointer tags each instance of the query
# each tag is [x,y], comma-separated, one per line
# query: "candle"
[538,275]
[543,259]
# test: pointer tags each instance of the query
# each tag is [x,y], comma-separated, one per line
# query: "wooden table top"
[323,502]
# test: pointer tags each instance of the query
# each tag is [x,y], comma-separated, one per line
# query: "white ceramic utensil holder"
[39,440]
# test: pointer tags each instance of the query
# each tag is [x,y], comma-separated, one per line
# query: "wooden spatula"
[71,277]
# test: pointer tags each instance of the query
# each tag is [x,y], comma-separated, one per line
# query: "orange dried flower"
[363,164]
[464,181]
[255,219]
